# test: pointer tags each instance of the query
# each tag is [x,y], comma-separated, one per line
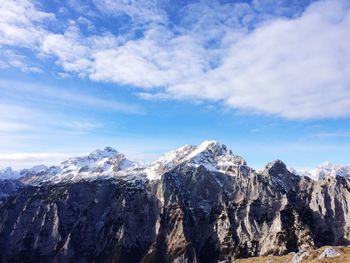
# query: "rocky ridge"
[195,204]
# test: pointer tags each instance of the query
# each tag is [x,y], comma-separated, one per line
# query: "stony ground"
[313,257]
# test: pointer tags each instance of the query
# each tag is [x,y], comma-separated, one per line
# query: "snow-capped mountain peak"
[99,162]
[94,157]
[106,162]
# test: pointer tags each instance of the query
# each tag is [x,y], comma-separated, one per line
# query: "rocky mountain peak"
[107,152]
[275,167]
[208,150]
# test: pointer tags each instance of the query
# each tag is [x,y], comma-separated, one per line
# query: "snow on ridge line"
[203,147]
[213,155]
[325,169]
[109,162]
[99,161]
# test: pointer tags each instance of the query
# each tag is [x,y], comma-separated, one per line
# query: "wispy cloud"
[141,11]
[12,126]
[72,97]
[19,119]
[334,134]
[20,160]
[9,58]
[26,129]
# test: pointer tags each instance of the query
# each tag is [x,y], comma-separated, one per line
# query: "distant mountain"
[194,204]
[326,169]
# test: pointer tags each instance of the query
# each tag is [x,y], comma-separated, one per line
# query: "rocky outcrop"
[9,188]
[192,213]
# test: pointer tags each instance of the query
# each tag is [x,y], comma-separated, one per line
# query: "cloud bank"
[293,64]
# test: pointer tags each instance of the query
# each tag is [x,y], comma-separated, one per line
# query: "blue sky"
[270,79]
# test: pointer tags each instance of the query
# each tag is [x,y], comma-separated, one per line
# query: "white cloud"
[72,55]
[148,63]
[20,23]
[294,68]
[139,11]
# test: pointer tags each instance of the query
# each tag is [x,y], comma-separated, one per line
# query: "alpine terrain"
[195,204]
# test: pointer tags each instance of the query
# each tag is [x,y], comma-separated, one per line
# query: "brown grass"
[313,257]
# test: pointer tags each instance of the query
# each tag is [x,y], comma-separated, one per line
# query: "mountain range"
[195,204]
[109,162]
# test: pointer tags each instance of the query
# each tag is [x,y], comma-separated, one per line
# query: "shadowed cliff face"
[191,214]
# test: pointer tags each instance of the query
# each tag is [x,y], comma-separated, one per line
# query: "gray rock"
[300,256]
[9,188]
[329,253]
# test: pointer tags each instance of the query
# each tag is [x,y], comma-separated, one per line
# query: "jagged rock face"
[101,221]
[192,214]
[195,204]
